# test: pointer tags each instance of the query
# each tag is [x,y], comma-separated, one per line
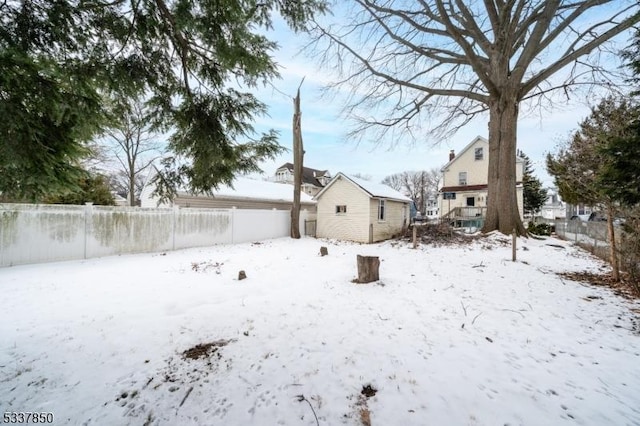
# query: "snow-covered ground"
[449,336]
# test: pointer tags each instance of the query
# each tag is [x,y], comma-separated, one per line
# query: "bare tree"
[133,144]
[409,62]
[417,185]
[119,182]
[362,176]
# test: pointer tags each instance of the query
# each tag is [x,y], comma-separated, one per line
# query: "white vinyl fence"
[35,233]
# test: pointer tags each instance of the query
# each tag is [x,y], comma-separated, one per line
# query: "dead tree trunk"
[298,155]
[368,269]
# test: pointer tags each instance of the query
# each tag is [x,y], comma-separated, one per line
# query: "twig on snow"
[303,398]
[479,266]
[383,319]
[476,317]
[464,308]
[517,312]
[186,396]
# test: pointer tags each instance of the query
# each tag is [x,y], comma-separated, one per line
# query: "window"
[462,178]
[479,154]
[448,195]
[381,210]
[341,209]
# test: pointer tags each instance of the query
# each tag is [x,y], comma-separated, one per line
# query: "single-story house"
[244,193]
[354,209]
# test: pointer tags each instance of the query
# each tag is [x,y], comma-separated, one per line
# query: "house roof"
[309,175]
[245,188]
[468,146]
[248,189]
[375,190]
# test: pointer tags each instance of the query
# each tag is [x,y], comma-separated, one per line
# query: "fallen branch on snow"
[301,398]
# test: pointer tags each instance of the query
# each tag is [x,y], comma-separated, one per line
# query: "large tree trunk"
[297,167]
[502,202]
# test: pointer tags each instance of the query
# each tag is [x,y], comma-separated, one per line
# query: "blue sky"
[324,130]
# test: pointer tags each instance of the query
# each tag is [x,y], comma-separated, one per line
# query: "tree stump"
[324,251]
[241,275]
[368,269]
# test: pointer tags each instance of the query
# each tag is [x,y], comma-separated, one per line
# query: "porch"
[466,217]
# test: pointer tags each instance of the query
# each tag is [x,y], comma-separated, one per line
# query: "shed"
[354,209]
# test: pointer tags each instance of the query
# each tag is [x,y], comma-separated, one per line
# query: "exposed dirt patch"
[206,266]
[365,416]
[622,288]
[203,350]
[368,391]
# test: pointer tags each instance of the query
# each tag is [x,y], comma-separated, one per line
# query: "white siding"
[477,174]
[352,225]
[477,170]
[394,223]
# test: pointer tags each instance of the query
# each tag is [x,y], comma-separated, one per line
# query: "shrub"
[540,228]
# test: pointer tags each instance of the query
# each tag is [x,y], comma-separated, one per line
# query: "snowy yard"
[449,336]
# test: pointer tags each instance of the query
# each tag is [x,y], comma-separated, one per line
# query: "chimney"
[452,155]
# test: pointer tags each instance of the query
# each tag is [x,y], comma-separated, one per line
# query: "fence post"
[303,214]
[233,215]
[174,223]
[88,210]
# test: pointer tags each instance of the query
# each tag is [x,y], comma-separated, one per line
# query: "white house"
[358,210]
[243,194]
[432,207]
[554,207]
[465,181]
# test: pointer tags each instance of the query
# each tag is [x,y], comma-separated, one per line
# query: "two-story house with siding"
[463,195]
[313,180]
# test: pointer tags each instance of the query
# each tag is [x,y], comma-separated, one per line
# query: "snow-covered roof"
[245,188]
[377,190]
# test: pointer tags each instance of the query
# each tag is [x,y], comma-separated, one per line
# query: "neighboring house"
[245,194]
[432,207]
[579,210]
[554,207]
[464,182]
[313,180]
[358,210]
